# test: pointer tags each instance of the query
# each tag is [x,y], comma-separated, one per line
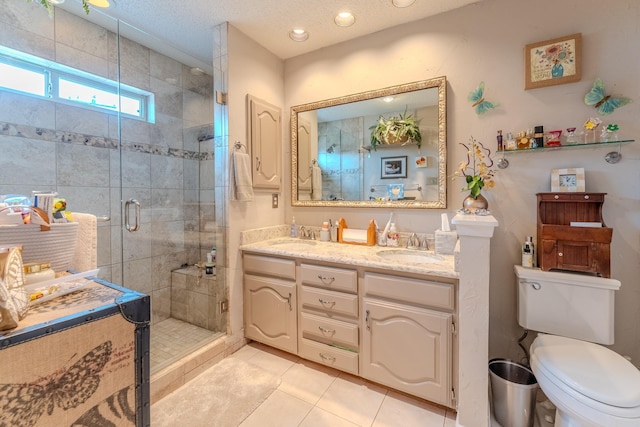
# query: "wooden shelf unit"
[565,247]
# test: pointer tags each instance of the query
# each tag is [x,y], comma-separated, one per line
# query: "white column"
[473,321]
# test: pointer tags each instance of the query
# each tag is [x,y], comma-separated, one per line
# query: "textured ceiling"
[186,25]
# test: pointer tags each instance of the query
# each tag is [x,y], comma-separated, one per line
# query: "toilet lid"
[590,369]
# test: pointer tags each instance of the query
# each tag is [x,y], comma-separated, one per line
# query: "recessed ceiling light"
[344,19]
[101,3]
[298,35]
[56,1]
[387,98]
[403,3]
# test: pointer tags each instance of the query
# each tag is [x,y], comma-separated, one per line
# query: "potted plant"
[49,5]
[402,129]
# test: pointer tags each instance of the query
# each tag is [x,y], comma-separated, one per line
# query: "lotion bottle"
[294,231]
[392,237]
[528,253]
[209,265]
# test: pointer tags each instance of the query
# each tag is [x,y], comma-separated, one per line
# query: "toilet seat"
[591,374]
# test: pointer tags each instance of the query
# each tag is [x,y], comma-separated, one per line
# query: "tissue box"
[446,242]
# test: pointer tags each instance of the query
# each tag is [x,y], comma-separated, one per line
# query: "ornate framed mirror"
[334,164]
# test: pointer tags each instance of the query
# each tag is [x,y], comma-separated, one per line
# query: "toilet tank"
[566,304]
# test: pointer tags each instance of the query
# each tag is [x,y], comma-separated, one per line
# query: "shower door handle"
[127,205]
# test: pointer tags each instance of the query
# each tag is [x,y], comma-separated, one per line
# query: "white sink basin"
[409,256]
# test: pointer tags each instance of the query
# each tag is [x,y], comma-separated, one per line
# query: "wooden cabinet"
[408,336]
[564,246]
[329,314]
[265,130]
[270,301]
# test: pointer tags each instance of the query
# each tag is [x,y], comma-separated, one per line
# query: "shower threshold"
[173,339]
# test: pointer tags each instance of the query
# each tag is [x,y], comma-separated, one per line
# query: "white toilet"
[590,385]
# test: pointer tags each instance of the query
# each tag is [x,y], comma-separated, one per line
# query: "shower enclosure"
[148,173]
[340,159]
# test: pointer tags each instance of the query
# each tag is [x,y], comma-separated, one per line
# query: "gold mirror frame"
[441,84]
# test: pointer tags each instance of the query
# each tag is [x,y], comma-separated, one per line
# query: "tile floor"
[313,395]
[172,339]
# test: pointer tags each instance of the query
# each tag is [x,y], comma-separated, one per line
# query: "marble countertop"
[402,259]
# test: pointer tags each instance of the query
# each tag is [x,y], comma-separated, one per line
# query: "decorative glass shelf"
[560,147]
[611,157]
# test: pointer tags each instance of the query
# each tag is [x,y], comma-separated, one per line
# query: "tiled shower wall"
[74,151]
[339,157]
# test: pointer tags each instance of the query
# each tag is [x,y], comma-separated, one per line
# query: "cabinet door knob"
[556,197]
[586,196]
[559,253]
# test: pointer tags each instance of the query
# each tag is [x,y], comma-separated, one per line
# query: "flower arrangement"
[401,128]
[612,127]
[49,6]
[477,168]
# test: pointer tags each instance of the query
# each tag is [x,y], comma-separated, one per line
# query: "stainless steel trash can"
[513,387]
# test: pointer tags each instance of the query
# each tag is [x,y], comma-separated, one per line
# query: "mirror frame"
[441,84]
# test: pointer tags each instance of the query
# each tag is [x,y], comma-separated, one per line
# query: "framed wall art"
[569,180]
[553,62]
[393,167]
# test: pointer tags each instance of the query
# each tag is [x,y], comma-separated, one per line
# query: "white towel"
[241,184]
[85,257]
[316,182]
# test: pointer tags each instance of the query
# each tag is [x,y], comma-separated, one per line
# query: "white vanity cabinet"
[270,301]
[408,335]
[393,327]
[328,316]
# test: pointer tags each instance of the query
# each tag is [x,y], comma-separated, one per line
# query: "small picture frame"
[553,62]
[569,180]
[393,167]
[422,162]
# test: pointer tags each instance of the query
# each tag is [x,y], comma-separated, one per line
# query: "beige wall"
[485,42]
[254,71]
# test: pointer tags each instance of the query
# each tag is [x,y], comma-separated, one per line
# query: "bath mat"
[224,395]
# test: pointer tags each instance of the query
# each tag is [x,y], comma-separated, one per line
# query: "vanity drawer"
[329,330]
[413,291]
[269,266]
[344,360]
[338,279]
[329,301]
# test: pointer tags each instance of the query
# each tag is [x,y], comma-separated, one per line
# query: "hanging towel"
[241,185]
[316,182]
[86,253]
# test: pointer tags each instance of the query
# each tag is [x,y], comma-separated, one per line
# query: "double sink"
[411,256]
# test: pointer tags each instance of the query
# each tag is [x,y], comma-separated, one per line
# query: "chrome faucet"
[413,242]
[307,233]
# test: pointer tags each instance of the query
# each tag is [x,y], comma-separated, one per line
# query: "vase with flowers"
[477,173]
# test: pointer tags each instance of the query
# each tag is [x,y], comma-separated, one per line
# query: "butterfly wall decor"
[481,105]
[605,104]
